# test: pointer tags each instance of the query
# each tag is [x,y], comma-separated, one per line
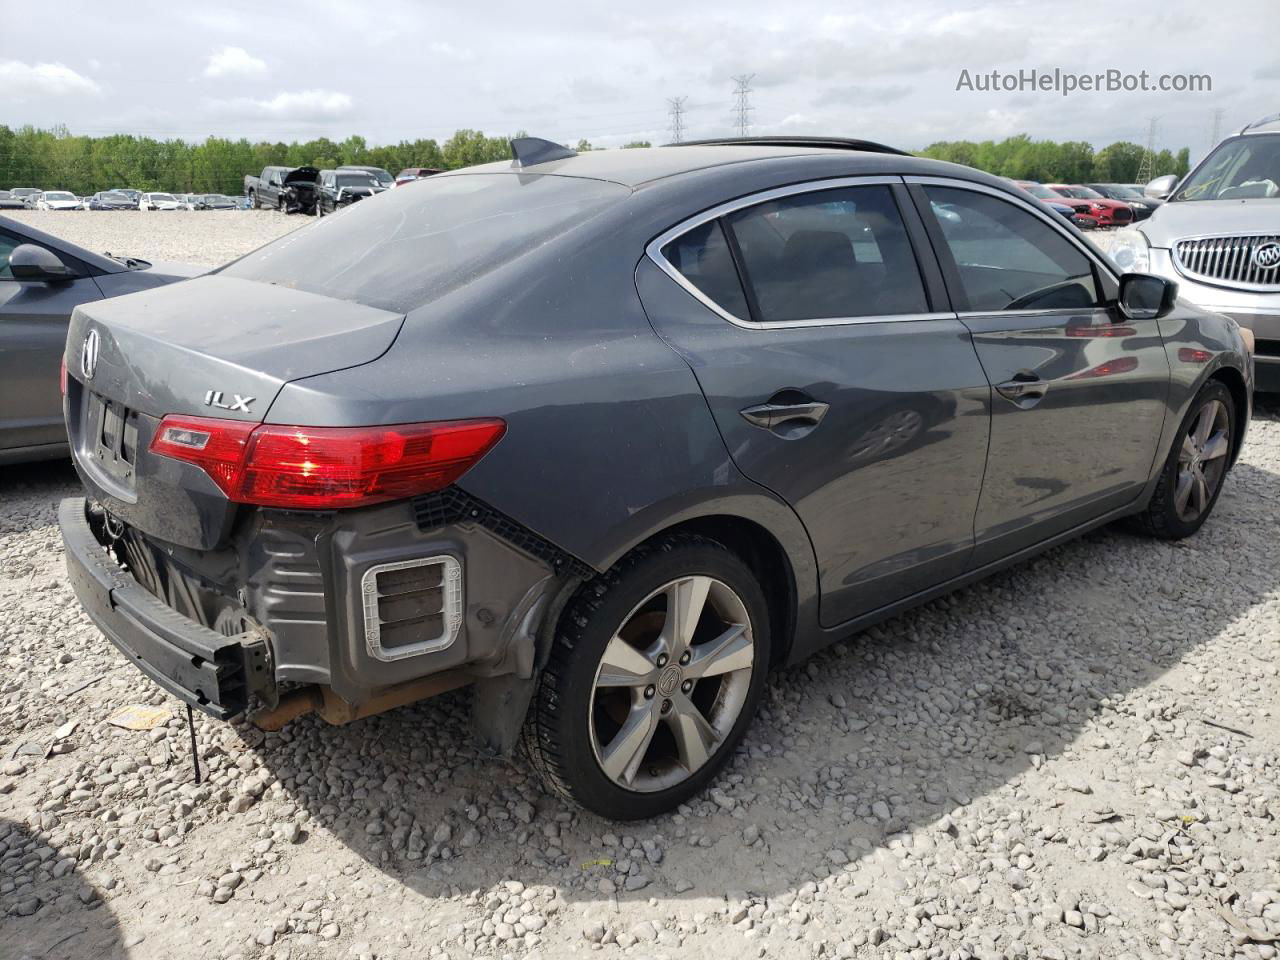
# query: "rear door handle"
[771,415]
[1025,387]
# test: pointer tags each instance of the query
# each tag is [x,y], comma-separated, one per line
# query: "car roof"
[1267,124]
[635,167]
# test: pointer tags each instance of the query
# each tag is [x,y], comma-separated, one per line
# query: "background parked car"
[34,311]
[341,188]
[287,189]
[1142,206]
[133,195]
[111,200]
[159,201]
[410,174]
[216,201]
[58,200]
[9,202]
[1071,210]
[28,195]
[1108,213]
[1218,236]
[382,176]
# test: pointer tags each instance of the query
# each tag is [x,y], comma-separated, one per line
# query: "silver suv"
[1219,237]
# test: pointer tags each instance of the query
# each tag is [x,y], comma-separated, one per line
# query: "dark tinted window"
[829,254]
[702,257]
[403,248]
[1008,259]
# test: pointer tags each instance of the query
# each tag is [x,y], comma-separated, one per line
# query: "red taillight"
[62,375]
[325,468]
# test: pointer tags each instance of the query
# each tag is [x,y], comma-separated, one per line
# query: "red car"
[410,174]
[1077,211]
[1108,213]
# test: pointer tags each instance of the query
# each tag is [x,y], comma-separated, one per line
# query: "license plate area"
[111,438]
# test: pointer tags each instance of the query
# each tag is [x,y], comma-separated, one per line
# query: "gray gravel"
[1077,758]
[209,236]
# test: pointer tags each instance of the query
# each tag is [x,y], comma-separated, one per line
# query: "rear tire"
[1192,477]
[655,673]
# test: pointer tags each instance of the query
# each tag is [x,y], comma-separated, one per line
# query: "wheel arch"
[1234,381]
[757,547]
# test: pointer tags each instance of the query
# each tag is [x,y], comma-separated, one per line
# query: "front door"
[33,332]
[1078,392]
[833,380]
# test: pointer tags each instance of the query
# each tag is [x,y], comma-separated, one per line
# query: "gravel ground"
[209,236]
[1076,758]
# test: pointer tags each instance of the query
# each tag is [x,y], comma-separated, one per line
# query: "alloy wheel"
[1202,461]
[671,684]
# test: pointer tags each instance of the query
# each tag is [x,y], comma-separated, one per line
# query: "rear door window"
[1009,259]
[828,254]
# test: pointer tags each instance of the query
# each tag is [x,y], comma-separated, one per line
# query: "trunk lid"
[211,347]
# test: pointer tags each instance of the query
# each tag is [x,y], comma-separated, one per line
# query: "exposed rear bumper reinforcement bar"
[333,709]
[199,666]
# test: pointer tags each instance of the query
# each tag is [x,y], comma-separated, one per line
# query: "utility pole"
[675,111]
[1216,135]
[1148,155]
[742,102]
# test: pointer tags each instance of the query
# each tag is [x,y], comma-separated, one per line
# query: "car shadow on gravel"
[48,910]
[888,731]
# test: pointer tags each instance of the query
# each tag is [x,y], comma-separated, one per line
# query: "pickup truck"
[287,189]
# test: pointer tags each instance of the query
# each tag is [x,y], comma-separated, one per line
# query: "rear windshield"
[404,248]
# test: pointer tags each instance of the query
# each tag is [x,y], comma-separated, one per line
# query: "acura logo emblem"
[89,355]
[1267,255]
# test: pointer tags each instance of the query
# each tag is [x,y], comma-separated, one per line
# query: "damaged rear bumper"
[199,666]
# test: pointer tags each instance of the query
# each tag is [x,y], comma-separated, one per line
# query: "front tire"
[1193,475]
[654,676]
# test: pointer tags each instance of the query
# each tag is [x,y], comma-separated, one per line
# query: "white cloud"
[442,48]
[20,81]
[234,62]
[302,105]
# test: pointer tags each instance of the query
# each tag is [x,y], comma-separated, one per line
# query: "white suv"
[1218,236]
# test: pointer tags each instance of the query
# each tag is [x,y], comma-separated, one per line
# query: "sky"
[399,69]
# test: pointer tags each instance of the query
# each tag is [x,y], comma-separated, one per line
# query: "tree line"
[1073,161]
[56,159]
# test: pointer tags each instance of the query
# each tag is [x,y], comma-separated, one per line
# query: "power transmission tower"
[1216,135]
[742,102]
[676,113]
[1148,155]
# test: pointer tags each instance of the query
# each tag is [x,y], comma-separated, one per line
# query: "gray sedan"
[42,279]
[607,436]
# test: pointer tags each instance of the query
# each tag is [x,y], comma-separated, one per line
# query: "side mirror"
[1144,296]
[29,262]
[1161,187]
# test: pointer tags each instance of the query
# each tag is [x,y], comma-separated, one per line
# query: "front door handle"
[1025,389]
[782,411]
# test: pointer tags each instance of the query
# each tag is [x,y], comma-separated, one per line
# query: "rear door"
[1078,392]
[33,330]
[836,375]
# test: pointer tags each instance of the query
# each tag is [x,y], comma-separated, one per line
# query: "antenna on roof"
[528,151]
